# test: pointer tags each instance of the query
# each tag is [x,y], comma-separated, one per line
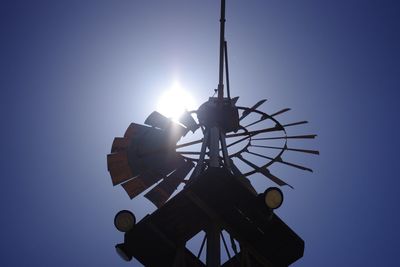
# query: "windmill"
[215,171]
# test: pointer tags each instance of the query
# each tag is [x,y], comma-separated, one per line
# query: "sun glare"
[174,101]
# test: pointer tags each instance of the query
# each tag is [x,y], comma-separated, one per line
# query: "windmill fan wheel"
[157,159]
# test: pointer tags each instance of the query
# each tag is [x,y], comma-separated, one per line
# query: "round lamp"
[124,221]
[273,198]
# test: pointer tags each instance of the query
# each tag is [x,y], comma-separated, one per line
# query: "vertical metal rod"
[180,257]
[214,146]
[202,246]
[226,247]
[200,163]
[213,246]
[221,52]
[228,90]
[224,149]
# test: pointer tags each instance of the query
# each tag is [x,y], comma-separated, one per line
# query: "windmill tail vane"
[217,198]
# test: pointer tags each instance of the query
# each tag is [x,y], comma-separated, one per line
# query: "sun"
[175,101]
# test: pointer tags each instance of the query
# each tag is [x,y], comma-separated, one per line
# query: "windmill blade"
[187,120]
[279,159]
[248,111]
[273,178]
[117,160]
[309,136]
[253,133]
[163,191]
[120,175]
[158,120]
[264,117]
[119,144]
[246,135]
[118,166]
[135,130]
[280,112]
[315,152]
[140,183]
[257,121]
[295,123]
[264,171]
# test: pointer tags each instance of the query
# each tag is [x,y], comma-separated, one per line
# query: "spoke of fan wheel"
[252,133]
[189,152]
[226,247]
[282,161]
[202,246]
[309,136]
[295,123]
[257,121]
[190,143]
[263,118]
[238,141]
[249,133]
[291,149]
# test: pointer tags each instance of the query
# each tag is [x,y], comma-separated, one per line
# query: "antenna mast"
[221,52]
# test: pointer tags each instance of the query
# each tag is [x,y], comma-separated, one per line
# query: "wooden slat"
[117,160]
[121,175]
[134,129]
[158,120]
[119,144]
[139,184]
[187,120]
[163,191]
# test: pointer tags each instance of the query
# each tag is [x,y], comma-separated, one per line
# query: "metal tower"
[217,195]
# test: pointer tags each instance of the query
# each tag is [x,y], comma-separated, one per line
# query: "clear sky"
[74,74]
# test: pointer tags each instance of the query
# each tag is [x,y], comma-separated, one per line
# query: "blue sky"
[74,74]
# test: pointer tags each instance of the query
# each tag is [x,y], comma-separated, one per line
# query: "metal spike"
[264,171]
[279,159]
[275,179]
[310,136]
[264,117]
[257,121]
[295,123]
[316,152]
[248,111]
[163,191]
[280,112]
[139,184]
